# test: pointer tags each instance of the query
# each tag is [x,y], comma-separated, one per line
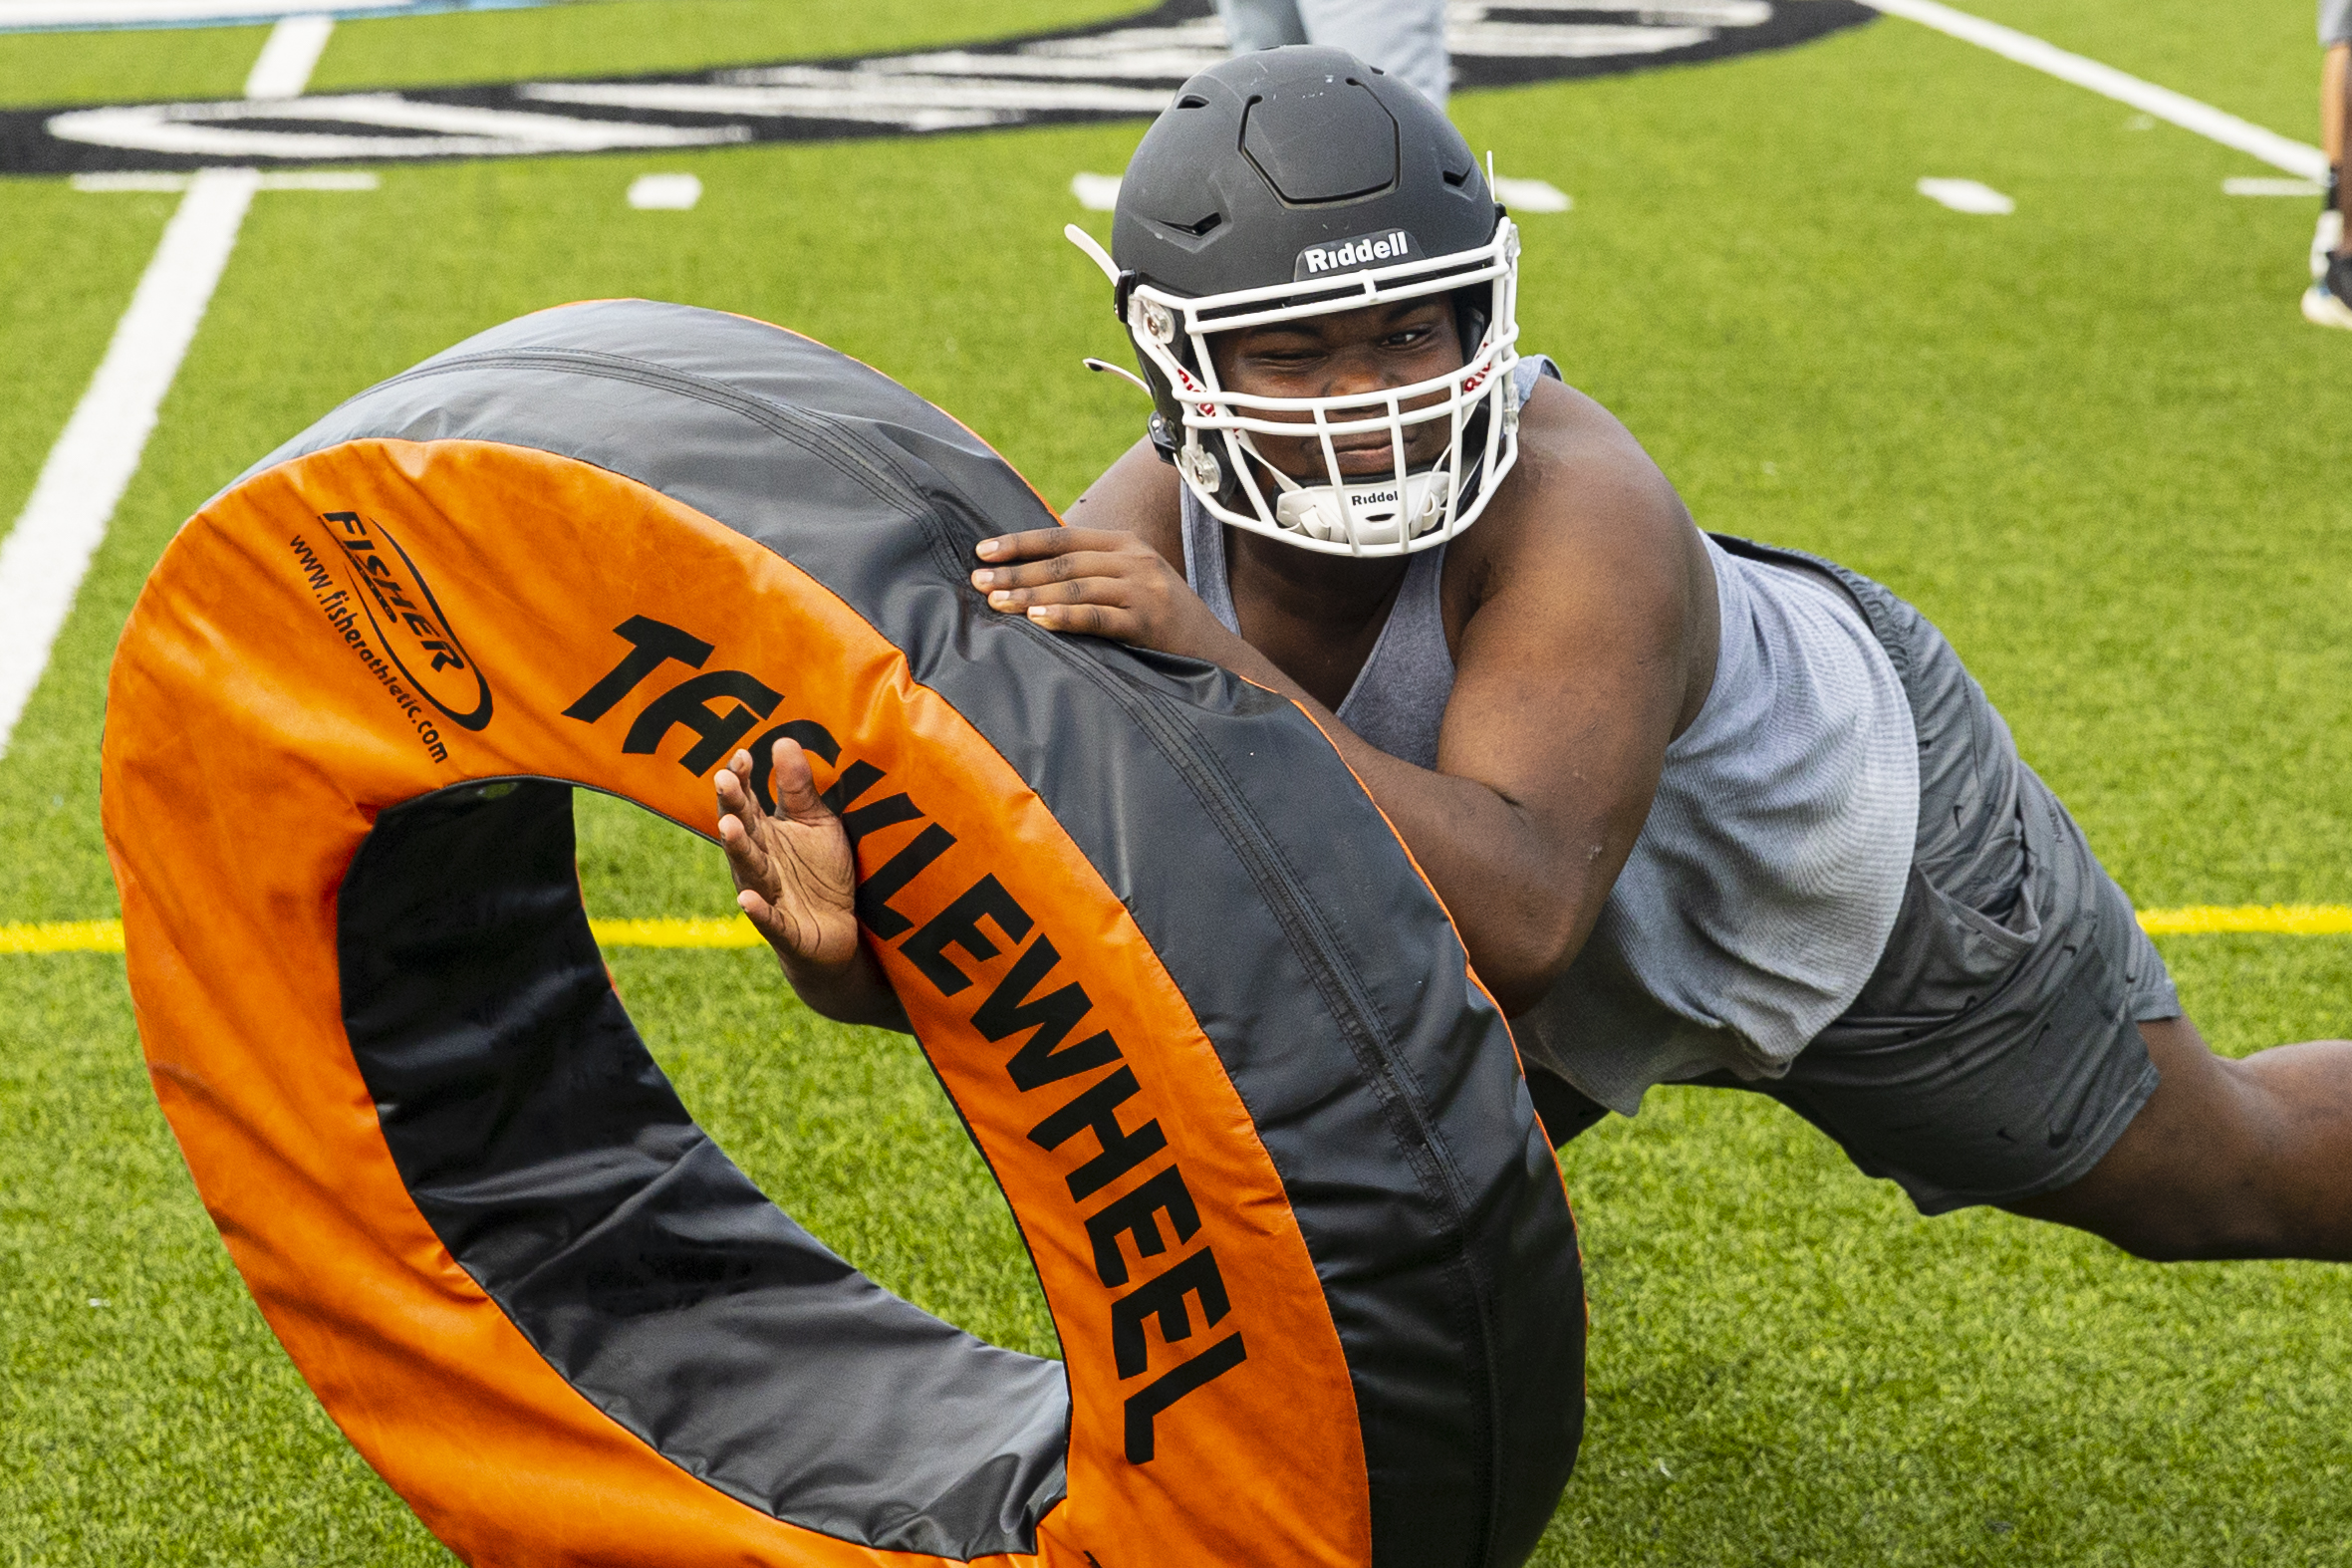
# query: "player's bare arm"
[1584,640]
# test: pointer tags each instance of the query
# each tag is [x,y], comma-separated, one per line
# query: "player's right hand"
[794,876]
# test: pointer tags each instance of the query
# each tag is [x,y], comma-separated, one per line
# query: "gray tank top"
[1398,701]
[1768,874]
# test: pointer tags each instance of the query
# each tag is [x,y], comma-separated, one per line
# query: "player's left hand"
[1102,583]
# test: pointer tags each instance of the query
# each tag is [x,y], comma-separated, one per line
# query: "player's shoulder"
[1583,498]
[1141,495]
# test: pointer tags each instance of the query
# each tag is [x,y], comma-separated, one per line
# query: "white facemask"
[1388,514]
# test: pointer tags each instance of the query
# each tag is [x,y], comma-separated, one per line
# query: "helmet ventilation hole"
[1191,101]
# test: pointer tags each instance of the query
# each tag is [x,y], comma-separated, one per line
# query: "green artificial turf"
[68,264]
[40,69]
[2092,438]
[2255,58]
[146,1416]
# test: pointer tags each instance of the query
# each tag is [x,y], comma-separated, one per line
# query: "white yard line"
[45,556]
[2241,185]
[1967,195]
[1532,195]
[288,57]
[665,192]
[2281,152]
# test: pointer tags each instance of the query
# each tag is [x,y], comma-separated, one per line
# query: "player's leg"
[1997,1053]
[2229,1158]
[2020,1044]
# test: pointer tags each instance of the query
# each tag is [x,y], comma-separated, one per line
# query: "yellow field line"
[107,935]
[63,937]
[2276,920]
[2196,919]
[736,933]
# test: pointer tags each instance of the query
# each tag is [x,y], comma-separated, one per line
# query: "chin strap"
[1377,513]
[1366,514]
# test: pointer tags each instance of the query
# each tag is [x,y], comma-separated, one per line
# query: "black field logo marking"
[1117,70]
[1122,1176]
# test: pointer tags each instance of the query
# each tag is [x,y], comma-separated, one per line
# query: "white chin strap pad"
[1368,514]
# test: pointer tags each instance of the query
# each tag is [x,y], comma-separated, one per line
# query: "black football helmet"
[1297,183]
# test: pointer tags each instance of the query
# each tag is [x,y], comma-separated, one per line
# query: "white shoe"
[2323,309]
[2324,240]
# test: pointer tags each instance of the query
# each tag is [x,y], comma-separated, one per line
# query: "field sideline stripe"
[2196,920]
[2269,920]
[47,554]
[2177,109]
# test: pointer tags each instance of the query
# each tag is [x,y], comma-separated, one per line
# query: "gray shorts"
[1994,1054]
[2335,23]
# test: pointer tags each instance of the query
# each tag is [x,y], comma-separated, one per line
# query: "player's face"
[1348,354]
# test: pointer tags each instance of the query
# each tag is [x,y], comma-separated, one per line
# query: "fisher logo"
[1365,250]
[408,623]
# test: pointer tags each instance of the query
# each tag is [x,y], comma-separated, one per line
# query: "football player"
[1703,811]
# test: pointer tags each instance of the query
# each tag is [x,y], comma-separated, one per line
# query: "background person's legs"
[2332,84]
[2227,1159]
[1405,38]
[2338,73]
[2331,102]
[1253,25]
[2328,302]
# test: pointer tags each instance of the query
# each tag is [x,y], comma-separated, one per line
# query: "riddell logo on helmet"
[1365,250]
